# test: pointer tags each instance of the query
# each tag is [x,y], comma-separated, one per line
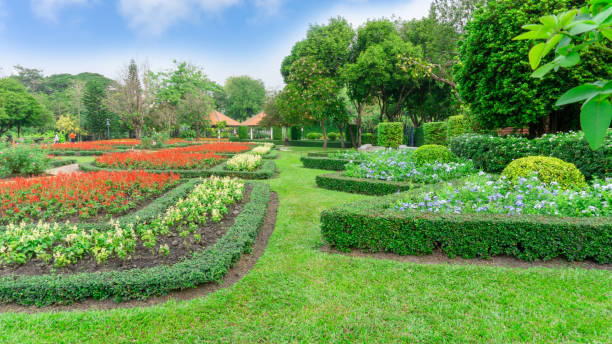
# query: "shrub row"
[390,134]
[53,163]
[209,265]
[300,143]
[372,226]
[435,133]
[339,182]
[492,154]
[267,170]
[324,163]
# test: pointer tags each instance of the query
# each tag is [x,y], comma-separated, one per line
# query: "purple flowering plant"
[484,193]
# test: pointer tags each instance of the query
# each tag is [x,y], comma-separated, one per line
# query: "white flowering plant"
[261,150]
[244,162]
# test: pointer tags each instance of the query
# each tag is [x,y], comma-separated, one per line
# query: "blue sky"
[225,37]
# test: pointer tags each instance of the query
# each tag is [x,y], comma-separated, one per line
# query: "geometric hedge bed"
[324,163]
[374,226]
[267,170]
[339,182]
[207,265]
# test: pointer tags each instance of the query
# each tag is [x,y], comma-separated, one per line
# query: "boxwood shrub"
[339,182]
[493,154]
[372,226]
[390,134]
[209,265]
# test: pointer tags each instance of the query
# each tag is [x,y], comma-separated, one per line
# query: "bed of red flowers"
[221,147]
[85,195]
[79,146]
[165,159]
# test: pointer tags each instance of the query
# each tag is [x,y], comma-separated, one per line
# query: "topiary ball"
[432,153]
[549,170]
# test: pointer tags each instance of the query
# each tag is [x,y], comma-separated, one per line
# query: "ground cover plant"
[244,162]
[78,195]
[22,161]
[64,244]
[299,293]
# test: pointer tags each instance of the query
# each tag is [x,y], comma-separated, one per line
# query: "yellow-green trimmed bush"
[432,153]
[549,170]
[390,134]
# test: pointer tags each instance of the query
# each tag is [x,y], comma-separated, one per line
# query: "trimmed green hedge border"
[300,143]
[54,163]
[77,153]
[339,182]
[372,226]
[266,171]
[324,163]
[210,265]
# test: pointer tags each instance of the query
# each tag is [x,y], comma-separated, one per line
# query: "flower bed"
[166,159]
[385,171]
[261,150]
[64,244]
[219,148]
[487,194]
[244,162]
[480,217]
[206,265]
[81,195]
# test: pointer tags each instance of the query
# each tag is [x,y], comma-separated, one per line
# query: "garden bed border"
[339,182]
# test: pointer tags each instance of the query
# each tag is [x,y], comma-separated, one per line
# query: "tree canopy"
[18,108]
[245,97]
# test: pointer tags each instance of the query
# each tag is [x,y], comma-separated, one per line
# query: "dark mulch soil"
[439,257]
[143,257]
[240,269]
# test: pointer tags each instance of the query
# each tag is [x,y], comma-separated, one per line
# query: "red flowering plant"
[223,147]
[165,159]
[83,195]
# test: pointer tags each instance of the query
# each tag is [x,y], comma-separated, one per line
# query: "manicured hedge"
[267,170]
[338,182]
[435,133]
[324,163]
[53,163]
[372,226]
[296,133]
[76,153]
[209,265]
[243,132]
[492,153]
[419,136]
[390,134]
[458,125]
[300,143]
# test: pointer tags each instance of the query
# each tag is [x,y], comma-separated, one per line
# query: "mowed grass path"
[298,294]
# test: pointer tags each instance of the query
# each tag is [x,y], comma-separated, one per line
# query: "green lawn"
[298,294]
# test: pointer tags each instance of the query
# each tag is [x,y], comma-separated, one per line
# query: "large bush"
[419,136]
[314,136]
[432,153]
[458,125]
[23,161]
[243,132]
[390,134]
[435,133]
[333,136]
[277,133]
[548,169]
[494,77]
[493,154]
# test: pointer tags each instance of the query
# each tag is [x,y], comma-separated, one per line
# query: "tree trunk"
[359,113]
[341,127]
[197,132]
[324,135]
[353,138]
[18,131]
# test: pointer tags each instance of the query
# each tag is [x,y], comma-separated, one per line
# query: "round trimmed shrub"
[549,170]
[314,136]
[333,136]
[432,153]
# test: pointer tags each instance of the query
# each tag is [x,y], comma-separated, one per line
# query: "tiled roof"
[255,120]
[216,117]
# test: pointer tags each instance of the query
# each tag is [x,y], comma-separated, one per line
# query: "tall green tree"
[495,79]
[96,112]
[18,108]
[245,97]
[194,108]
[456,13]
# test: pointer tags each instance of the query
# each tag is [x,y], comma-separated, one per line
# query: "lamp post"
[108,128]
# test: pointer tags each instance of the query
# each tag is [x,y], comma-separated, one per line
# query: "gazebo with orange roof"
[254,121]
[215,117]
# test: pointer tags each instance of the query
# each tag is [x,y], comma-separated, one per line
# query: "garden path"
[63,169]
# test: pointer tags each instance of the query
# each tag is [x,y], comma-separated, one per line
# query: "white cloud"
[48,9]
[153,17]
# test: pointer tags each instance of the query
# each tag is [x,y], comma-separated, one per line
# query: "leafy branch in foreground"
[570,33]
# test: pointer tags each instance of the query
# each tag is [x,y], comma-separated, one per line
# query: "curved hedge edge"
[266,171]
[55,163]
[372,226]
[338,182]
[210,265]
[77,153]
[324,163]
